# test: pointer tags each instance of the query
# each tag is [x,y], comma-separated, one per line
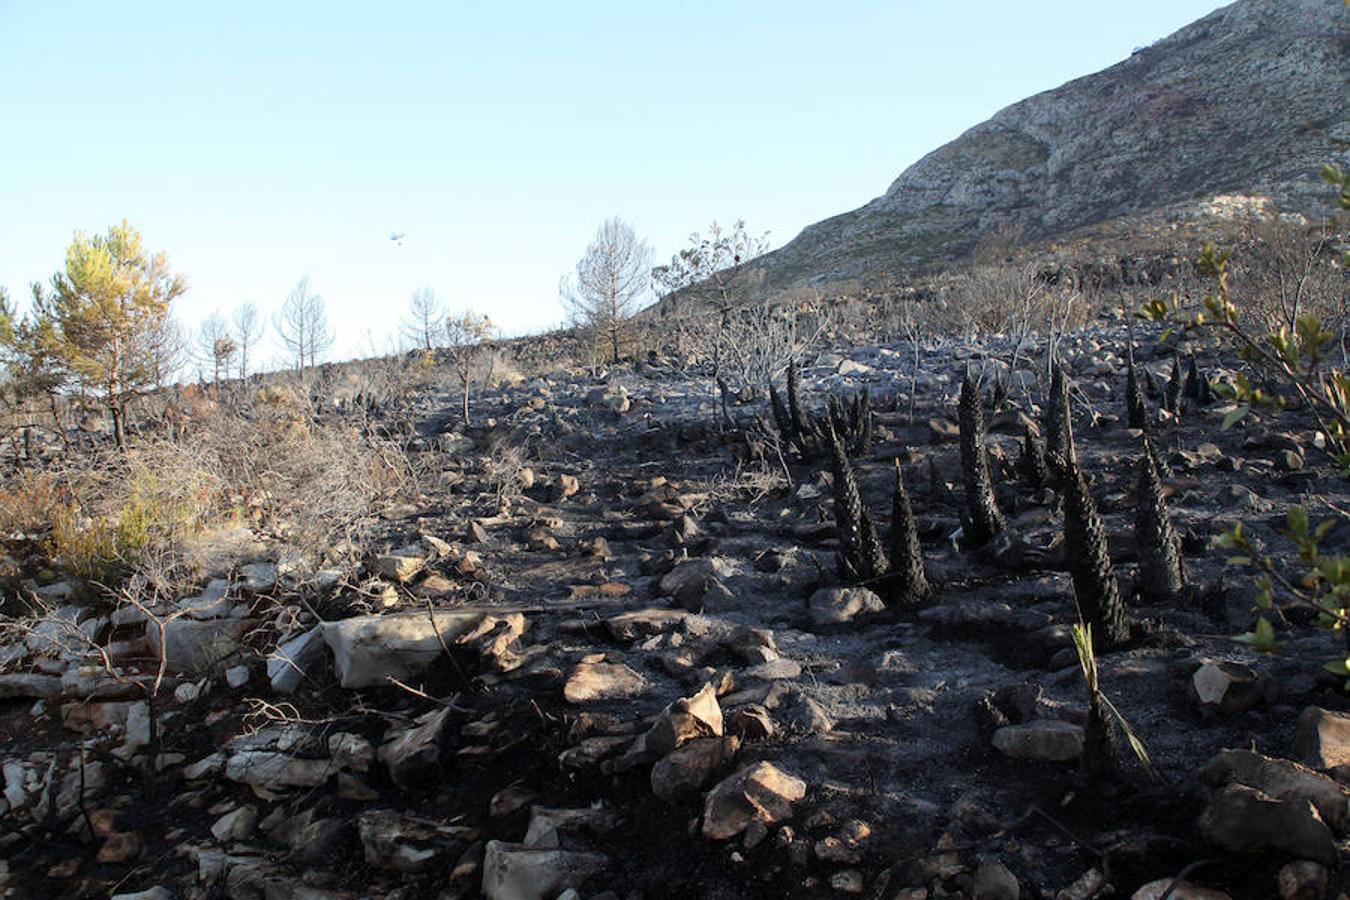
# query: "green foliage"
[1296,359]
[1317,580]
[1087,663]
[105,322]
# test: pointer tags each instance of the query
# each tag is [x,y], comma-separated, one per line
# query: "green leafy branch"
[1321,584]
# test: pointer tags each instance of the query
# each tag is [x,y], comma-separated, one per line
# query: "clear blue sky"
[260,142]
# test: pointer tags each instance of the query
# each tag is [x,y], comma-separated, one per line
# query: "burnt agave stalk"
[1161,577]
[861,555]
[1059,453]
[1191,390]
[801,422]
[908,584]
[1094,578]
[1032,462]
[1136,413]
[1172,396]
[981,506]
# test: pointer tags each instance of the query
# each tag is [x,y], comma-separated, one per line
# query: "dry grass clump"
[267,466]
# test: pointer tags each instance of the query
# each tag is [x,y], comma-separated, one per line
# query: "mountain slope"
[1252,98]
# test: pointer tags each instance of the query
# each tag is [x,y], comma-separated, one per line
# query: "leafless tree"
[425,318]
[705,273]
[216,346]
[247,330]
[302,325]
[610,280]
[466,338]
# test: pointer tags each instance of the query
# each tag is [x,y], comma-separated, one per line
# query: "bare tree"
[425,318]
[247,330]
[610,280]
[705,271]
[302,325]
[217,346]
[466,338]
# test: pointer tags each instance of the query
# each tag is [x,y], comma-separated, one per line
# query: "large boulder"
[194,647]
[369,650]
[1241,819]
[1323,738]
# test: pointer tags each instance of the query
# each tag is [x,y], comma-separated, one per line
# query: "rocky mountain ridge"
[1250,99]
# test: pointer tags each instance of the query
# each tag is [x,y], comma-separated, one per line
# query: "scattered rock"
[1282,780]
[1226,688]
[994,881]
[1043,739]
[369,650]
[689,767]
[1241,819]
[603,681]
[835,606]
[760,792]
[414,754]
[1302,880]
[391,840]
[519,872]
[195,647]
[1322,738]
[295,660]
[687,719]
[1173,889]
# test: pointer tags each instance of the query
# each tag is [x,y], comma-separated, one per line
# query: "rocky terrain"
[1249,100]
[628,668]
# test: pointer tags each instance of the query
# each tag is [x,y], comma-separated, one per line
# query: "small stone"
[119,847]
[518,872]
[603,681]
[760,792]
[993,881]
[236,825]
[1176,890]
[1289,460]
[755,833]
[685,720]
[1302,880]
[751,723]
[1042,739]
[351,752]
[690,581]
[849,881]
[414,754]
[1227,688]
[399,568]
[237,676]
[688,768]
[836,606]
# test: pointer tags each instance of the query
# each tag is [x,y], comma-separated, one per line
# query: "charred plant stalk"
[908,585]
[1161,577]
[1099,741]
[1059,453]
[1136,413]
[1172,396]
[1094,578]
[1032,461]
[981,506]
[861,554]
[1192,386]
